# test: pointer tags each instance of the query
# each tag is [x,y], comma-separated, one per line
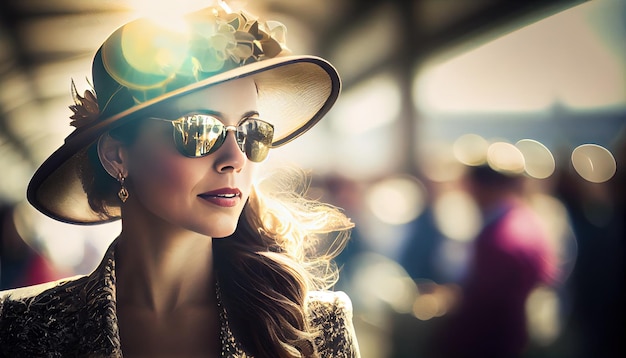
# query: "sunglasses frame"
[240,132]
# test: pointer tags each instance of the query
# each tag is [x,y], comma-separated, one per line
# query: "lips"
[225,197]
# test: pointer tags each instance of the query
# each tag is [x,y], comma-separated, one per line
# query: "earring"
[123,193]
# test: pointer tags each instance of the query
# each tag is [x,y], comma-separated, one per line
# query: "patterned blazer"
[76,317]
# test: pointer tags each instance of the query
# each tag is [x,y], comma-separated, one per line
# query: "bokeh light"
[594,163]
[505,157]
[379,280]
[542,312]
[457,216]
[396,200]
[434,300]
[471,149]
[538,160]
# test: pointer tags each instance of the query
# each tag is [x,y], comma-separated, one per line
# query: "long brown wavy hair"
[282,248]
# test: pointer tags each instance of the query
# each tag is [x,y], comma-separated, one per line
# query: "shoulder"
[28,292]
[27,305]
[330,314]
[325,303]
[44,296]
[36,319]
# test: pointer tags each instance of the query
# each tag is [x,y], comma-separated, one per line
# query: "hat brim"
[295,92]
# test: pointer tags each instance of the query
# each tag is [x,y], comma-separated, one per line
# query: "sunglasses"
[198,135]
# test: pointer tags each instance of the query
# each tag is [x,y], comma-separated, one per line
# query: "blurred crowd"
[494,264]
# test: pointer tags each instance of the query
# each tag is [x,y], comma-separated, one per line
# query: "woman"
[208,262]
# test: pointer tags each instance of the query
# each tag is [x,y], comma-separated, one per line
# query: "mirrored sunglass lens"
[198,135]
[257,139]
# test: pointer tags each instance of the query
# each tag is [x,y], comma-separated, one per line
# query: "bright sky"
[576,57]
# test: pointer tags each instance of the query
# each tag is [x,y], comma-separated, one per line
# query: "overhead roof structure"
[46,43]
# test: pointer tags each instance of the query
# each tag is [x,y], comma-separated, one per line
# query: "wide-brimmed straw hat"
[145,63]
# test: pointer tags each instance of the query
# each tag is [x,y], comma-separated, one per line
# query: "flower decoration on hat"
[151,58]
[85,108]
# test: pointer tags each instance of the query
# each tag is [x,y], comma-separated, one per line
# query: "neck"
[163,270]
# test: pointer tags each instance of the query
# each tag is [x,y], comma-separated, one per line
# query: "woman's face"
[207,194]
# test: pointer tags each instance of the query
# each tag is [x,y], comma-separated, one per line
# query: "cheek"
[160,171]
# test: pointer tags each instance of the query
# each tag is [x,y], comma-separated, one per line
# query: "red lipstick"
[224,197]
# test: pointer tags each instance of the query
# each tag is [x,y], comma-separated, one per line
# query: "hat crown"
[145,59]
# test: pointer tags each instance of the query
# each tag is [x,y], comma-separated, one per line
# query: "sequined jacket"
[76,317]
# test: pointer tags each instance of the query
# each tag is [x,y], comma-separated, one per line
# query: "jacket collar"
[100,288]
[101,303]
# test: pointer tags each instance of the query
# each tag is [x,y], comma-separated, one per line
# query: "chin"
[216,224]
[220,229]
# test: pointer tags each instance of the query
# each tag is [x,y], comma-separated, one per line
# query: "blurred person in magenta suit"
[511,256]
[210,260]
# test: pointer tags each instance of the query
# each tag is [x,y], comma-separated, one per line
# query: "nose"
[229,156]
